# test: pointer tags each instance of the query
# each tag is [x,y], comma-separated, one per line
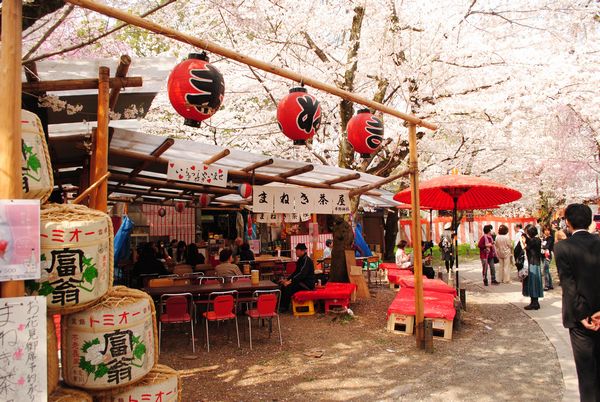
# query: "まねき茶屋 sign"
[300,200]
[196,172]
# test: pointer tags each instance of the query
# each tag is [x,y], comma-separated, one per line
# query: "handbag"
[496,260]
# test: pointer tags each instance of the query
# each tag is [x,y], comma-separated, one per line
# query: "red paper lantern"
[245,190]
[299,115]
[365,132]
[162,212]
[196,89]
[204,200]
[179,206]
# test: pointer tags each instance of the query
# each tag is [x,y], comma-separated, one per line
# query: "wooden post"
[315,239]
[100,153]
[230,54]
[416,235]
[10,117]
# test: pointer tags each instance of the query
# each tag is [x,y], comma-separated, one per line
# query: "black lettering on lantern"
[375,129]
[209,83]
[306,120]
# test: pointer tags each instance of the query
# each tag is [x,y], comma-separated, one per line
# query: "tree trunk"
[391,231]
[342,240]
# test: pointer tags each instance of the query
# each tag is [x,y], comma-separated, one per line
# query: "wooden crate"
[303,308]
[442,328]
[401,324]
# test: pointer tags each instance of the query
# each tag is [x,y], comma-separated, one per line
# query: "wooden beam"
[364,189]
[83,83]
[416,235]
[217,156]
[257,165]
[31,74]
[70,138]
[100,155]
[230,54]
[341,179]
[91,188]
[141,192]
[122,69]
[161,183]
[10,117]
[161,149]
[297,171]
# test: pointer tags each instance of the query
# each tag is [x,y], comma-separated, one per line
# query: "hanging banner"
[284,199]
[23,372]
[263,199]
[321,201]
[197,173]
[304,202]
[19,247]
[341,201]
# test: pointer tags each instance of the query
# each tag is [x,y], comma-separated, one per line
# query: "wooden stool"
[339,303]
[303,308]
[401,324]
[442,329]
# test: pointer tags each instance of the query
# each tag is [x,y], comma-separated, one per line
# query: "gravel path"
[498,354]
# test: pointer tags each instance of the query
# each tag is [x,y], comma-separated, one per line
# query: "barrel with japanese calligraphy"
[112,344]
[52,361]
[76,257]
[161,384]
[64,394]
[36,169]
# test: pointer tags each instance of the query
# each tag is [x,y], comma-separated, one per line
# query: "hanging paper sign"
[198,173]
[23,372]
[304,217]
[263,199]
[284,199]
[254,246]
[340,201]
[19,249]
[304,201]
[321,201]
[293,217]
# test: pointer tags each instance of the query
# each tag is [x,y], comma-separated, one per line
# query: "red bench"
[437,306]
[436,285]
[395,274]
[333,293]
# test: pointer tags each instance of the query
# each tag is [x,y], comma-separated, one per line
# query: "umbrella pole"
[455,226]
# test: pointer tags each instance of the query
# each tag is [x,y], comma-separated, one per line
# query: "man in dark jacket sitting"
[303,277]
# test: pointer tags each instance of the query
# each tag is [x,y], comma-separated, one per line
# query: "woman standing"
[447,248]
[533,287]
[486,253]
[547,253]
[504,251]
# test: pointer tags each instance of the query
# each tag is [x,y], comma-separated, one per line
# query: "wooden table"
[263,262]
[242,287]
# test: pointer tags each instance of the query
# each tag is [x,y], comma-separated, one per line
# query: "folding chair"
[224,306]
[267,306]
[240,278]
[211,279]
[176,308]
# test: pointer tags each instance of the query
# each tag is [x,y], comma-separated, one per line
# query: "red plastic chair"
[224,307]
[211,280]
[267,306]
[176,308]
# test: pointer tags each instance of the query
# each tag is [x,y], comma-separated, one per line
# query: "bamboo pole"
[122,69]
[257,165]
[10,117]
[261,65]
[416,235]
[91,188]
[82,83]
[297,171]
[100,156]
[365,189]
[217,156]
[341,179]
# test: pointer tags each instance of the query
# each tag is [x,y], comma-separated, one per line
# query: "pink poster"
[19,239]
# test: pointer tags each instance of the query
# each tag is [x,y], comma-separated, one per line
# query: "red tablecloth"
[394,274]
[332,290]
[435,304]
[436,285]
[388,265]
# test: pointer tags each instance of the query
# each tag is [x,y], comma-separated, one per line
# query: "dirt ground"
[497,354]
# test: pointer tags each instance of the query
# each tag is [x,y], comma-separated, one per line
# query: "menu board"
[19,239]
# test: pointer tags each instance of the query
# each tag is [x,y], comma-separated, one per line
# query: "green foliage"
[86,366]
[33,163]
[89,274]
[89,344]
[43,257]
[139,350]
[32,286]
[101,371]
[46,289]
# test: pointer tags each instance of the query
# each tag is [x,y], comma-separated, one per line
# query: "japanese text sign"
[196,172]
[19,239]
[300,200]
[23,351]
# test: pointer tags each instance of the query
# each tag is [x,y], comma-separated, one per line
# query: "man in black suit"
[303,277]
[578,263]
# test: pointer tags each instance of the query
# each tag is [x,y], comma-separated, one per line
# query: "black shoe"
[485,282]
[530,307]
[495,282]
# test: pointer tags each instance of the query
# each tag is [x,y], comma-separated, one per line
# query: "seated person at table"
[194,257]
[226,266]
[327,249]
[236,248]
[245,253]
[303,277]
[180,253]
[402,259]
[147,264]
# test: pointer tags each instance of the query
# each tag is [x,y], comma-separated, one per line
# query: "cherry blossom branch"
[49,31]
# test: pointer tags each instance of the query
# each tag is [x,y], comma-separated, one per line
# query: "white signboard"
[341,201]
[305,200]
[321,201]
[19,239]
[263,199]
[285,197]
[197,173]
[23,361]
[302,201]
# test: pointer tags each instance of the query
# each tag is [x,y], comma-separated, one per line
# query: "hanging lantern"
[365,132]
[299,115]
[196,89]
[245,190]
[204,200]
[162,212]
[179,206]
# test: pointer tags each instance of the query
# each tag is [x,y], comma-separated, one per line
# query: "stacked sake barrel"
[108,334]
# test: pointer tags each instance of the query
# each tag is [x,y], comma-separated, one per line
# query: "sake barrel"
[52,348]
[36,169]
[111,344]
[64,394]
[76,257]
[162,383]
